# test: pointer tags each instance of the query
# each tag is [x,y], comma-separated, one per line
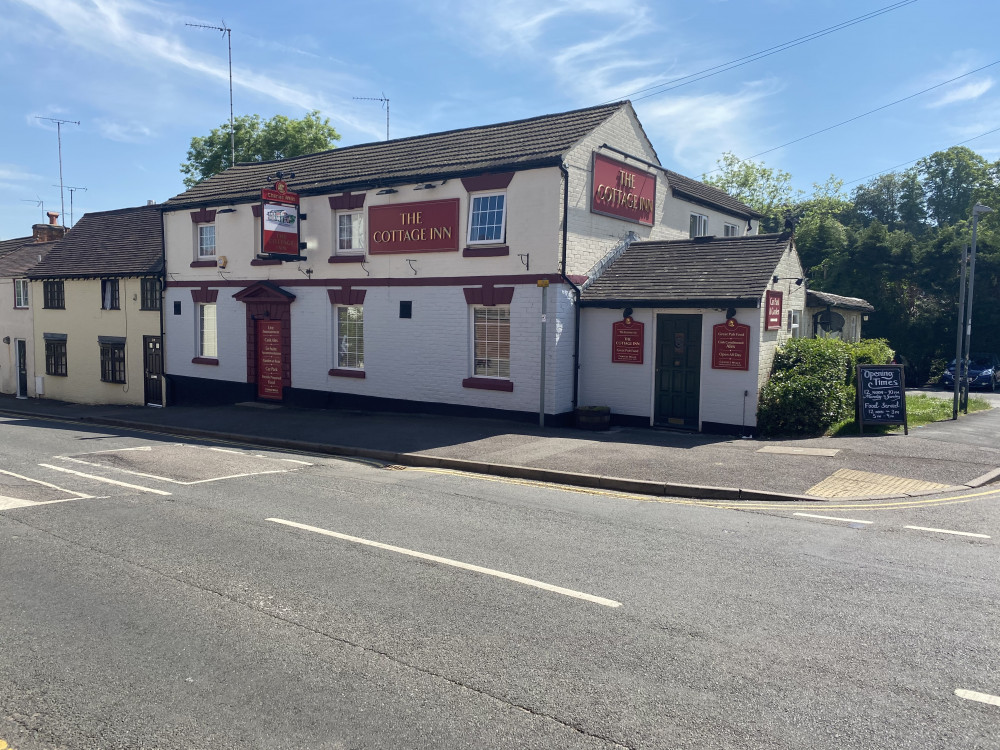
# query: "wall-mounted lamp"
[226,211]
[428,186]
[776,279]
[279,175]
[627,313]
[730,313]
[6,339]
[386,191]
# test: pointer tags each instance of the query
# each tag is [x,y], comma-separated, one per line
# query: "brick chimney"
[48,232]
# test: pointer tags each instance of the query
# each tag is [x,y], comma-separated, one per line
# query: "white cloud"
[963,93]
[123,132]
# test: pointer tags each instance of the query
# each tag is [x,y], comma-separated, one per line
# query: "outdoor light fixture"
[627,313]
[776,279]
[428,186]
[226,211]
[730,313]
[386,191]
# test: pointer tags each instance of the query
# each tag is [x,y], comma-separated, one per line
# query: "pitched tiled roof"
[18,256]
[823,299]
[706,271]
[125,242]
[699,192]
[520,144]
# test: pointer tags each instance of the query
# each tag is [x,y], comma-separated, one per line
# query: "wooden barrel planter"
[593,417]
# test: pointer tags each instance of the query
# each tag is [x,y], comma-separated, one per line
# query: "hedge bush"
[811,386]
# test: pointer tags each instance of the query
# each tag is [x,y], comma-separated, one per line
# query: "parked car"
[984,372]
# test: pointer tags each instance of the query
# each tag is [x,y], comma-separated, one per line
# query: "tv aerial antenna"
[72,189]
[39,203]
[385,103]
[229,41]
[59,123]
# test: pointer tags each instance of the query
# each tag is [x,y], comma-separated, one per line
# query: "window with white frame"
[350,232]
[350,337]
[698,225]
[20,293]
[795,323]
[206,241]
[487,218]
[730,230]
[491,341]
[208,340]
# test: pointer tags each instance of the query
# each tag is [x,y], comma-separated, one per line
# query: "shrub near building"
[812,384]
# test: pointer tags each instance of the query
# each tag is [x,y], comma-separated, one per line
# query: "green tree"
[257,140]
[764,189]
[950,180]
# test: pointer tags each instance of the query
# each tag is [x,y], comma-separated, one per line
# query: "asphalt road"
[178,595]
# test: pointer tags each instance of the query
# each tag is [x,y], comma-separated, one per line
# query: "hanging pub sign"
[772,321]
[622,191]
[279,221]
[424,227]
[731,346]
[627,341]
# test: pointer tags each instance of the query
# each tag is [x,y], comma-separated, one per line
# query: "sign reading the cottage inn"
[622,191]
[731,346]
[424,227]
[626,341]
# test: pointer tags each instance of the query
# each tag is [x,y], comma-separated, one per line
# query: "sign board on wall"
[881,396]
[424,227]
[627,341]
[773,300]
[622,191]
[269,360]
[279,221]
[731,346]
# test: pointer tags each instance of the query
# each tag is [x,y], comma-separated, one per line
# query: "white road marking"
[105,479]
[7,503]
[81,495]
[168,479]
[830,518]
[972,695]
[454,563]
[947,531]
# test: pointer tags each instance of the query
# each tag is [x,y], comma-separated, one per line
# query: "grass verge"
[920,410]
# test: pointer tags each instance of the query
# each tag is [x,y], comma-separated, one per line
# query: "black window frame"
[113,363]
[152,293]
[53,294]
[56,362]
[115,302]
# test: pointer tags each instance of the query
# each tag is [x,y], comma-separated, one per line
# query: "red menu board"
[731,346]
[626,341]
[269,364]
[773,320]
[425,227]
[622,191]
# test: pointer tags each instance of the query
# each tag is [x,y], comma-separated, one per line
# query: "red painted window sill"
[204,263]
[338,373]
[485,252]
[205,361]
[488,384]
[265,262]
[360,258]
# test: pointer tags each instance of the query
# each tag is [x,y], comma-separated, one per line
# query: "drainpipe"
[576,289]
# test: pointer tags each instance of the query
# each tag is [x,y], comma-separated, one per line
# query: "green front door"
[678,370]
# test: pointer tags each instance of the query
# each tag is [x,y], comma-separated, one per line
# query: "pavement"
[941,457]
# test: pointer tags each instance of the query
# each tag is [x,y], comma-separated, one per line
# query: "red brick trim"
[488,384]
[204,296]
[265,262]
[347,202]
[485,252]
[205,361]
[204,216]
[338,373]
[489,295]
[346,296]
[357,258]
[523,279]
[496,181]
[258,210]
[204,263]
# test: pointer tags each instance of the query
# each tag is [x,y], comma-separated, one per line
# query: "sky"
[134,82]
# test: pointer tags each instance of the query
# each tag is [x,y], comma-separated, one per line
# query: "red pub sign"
[280,220]
[731,346]
[626,341]
[773,320]
[622,191]
[424,227]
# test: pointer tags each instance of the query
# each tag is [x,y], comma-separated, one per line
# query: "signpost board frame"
[875,384]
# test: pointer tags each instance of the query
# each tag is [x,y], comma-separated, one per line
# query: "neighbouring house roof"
[124,242]
[19,256]
[825,299]
[700,272]
[516,145]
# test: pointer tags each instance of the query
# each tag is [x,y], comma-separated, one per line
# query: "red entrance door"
[269,364]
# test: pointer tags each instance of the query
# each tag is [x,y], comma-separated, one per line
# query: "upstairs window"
[350,232]
[206,241]
[151,294]
[109,294]
[487,218]
[20,293]
[698,226]
[730,230]
[54,295]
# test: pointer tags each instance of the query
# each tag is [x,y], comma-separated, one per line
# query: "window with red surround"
[338,373]
[488,384]
[204,216]
[496,181]
[485,252]
[347,202]
[347,296]
[489,295]
[204,296]
[205,361]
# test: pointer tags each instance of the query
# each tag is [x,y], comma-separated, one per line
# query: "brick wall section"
[793,298]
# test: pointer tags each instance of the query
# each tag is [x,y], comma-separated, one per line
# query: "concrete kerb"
[988,478]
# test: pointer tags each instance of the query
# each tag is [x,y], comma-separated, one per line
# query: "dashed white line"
[105,479]
[830,518]
[948,531]
[972,695]
[454,563]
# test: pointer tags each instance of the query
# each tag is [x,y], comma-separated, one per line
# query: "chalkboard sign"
[881,396]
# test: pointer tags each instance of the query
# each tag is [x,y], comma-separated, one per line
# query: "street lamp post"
[962,364]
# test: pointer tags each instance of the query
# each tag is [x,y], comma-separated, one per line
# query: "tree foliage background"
[896,241]
[257,140]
